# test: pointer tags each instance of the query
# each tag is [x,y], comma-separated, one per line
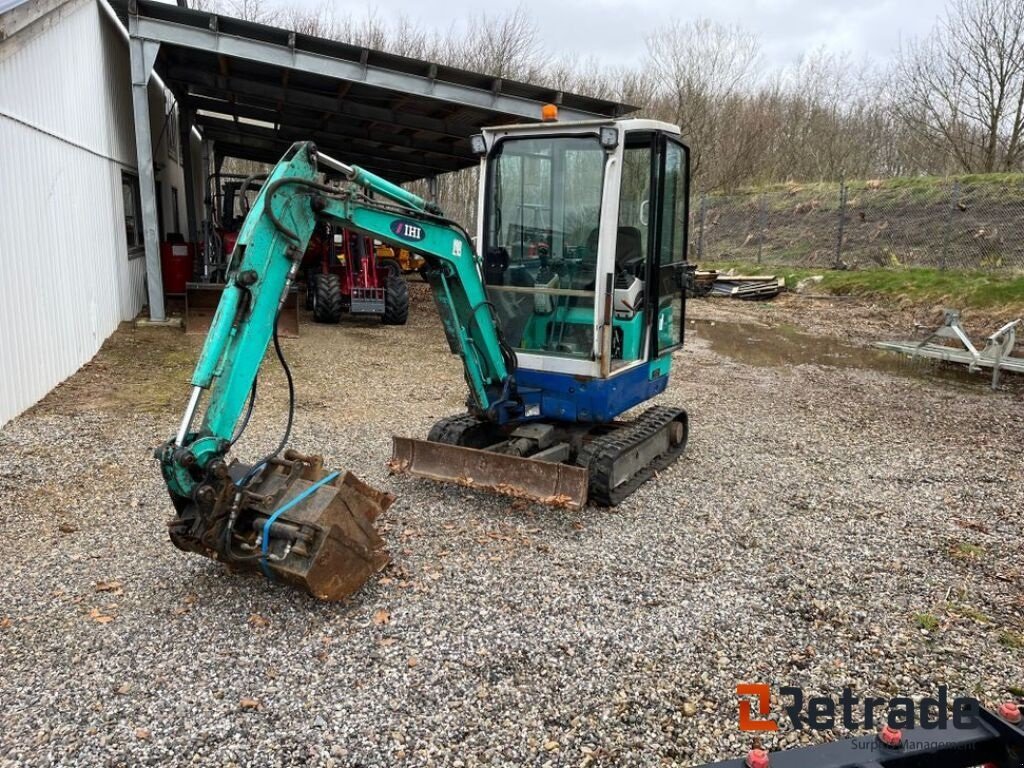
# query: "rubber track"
[601,453]
[451,430]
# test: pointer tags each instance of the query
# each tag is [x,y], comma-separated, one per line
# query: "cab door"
[670,229]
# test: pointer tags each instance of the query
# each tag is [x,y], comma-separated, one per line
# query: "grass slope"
[918,285]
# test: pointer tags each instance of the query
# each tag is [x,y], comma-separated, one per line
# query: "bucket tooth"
[559,485]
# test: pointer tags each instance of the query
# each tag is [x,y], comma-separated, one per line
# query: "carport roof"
[255,89]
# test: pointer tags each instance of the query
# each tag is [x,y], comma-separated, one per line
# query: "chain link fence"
[965,223]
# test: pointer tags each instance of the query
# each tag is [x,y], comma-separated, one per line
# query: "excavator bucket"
[546,482]
[318,527]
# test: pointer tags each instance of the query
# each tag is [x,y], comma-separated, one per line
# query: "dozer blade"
[547,482]
[319,527]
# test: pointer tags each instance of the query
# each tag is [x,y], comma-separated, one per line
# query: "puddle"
[784,346]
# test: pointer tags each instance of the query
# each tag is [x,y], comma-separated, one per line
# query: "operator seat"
[628,250]
[629,253]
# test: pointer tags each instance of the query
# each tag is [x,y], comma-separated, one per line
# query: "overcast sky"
[615,29]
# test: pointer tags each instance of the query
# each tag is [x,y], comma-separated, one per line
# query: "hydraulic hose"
[272,190]
[242,190]
[248,415]
[509,355]
[291,411]
[229,528]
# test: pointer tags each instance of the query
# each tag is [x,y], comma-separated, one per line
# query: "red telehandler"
[344,275]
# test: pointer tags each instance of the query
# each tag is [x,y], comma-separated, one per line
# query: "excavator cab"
[583,236]
[582,233]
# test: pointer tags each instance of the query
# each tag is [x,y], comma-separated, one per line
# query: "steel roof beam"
[271,156]
[276,146]
[212,40]
[218,86]
[270,153]
[338,131]
[426,160]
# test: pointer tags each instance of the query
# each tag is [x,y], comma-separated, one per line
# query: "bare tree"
[952,101]
[505,46]
[259,11]
[698,67]
[962,88]
[828,117]
[319,21]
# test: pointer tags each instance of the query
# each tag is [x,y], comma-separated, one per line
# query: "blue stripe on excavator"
[567,397]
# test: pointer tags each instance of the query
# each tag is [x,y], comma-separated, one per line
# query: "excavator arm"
[284,514]
[269,248]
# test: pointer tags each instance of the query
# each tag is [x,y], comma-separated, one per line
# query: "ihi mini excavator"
[565,315]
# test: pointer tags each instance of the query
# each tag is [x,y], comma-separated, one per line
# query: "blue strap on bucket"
[265,532]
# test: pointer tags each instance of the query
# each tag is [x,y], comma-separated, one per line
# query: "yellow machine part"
[407,260]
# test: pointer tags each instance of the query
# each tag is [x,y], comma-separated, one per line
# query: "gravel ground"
[828,526]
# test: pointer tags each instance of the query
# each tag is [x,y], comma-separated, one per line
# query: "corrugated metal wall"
[65,135]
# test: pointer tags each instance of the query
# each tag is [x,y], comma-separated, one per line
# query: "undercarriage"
[557,463]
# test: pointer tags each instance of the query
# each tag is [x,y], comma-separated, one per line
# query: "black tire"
[396,301]
[310,291]
[326,298]
[393,268]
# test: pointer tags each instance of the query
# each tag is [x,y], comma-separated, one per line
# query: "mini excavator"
[565,315]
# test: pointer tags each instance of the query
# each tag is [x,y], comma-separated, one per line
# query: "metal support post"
[947,233]
[143,55]
[762,225]
[700,230]
[842,224]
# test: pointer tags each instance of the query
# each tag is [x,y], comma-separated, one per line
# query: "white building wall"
[66,133]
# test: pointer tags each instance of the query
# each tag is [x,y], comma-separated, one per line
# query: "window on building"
[132,213]
[175,215]
[171,130]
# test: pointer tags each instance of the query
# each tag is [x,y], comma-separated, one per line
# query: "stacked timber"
[703,282]
[748,286]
